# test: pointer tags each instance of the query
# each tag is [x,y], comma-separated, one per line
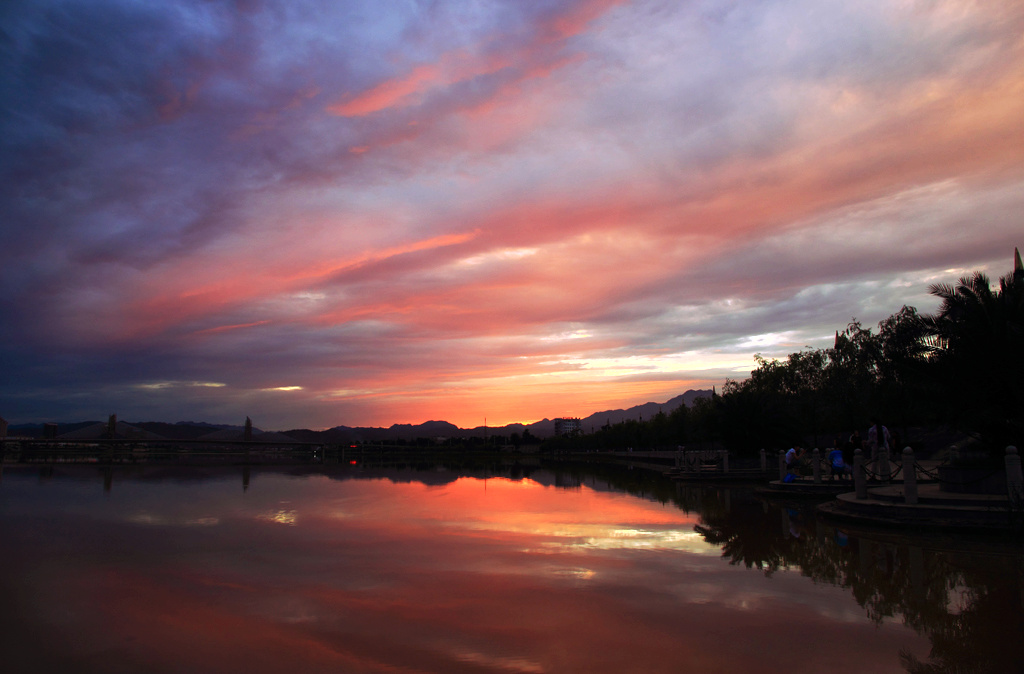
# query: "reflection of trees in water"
[742,526]
[977,625]
[970,603]
[642,483]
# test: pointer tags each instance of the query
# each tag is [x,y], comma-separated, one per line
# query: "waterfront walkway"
[935,509]
[885,504]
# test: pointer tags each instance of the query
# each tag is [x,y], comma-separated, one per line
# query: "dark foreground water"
[349,570]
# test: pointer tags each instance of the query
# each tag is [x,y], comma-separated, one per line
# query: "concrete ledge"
[882,510]
[739,475]
[805,488]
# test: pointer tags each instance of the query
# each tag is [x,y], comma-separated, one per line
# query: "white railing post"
[884,472]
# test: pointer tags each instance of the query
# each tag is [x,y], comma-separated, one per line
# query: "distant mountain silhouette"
[193,430]
[640,412]
[36,430]
[99,430]
[233,435]
[343,434]
[442,429]
[178,431]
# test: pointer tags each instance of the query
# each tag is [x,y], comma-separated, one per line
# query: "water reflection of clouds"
[547,519]
[289,517]
[575,573]
[668,539]
[582,537]
[498,662]
[377,576]
[164,521]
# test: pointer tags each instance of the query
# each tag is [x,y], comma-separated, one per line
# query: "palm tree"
[976,341]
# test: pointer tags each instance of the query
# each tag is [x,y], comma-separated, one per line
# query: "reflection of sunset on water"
[418,571]
[546,518]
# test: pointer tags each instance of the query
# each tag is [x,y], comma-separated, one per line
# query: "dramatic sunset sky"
[360,212]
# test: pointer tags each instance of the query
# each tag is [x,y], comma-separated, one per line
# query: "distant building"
[568,426]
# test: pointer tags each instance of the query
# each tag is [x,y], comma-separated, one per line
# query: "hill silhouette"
[442,429]
[192,430]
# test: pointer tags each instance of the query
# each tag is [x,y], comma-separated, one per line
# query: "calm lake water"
[512,570]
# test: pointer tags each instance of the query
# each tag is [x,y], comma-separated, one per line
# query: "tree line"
[961,368]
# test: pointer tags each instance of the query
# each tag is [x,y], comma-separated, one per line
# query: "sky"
[321,213]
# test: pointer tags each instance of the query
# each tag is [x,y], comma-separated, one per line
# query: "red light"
[353,462]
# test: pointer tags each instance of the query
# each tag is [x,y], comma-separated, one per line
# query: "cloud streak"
[401,210]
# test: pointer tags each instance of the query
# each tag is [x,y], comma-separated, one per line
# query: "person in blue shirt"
[793,458]
[840,468]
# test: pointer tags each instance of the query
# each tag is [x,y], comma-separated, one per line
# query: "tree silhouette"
[976,340]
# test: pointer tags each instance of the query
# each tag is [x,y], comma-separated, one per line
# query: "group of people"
[840,457]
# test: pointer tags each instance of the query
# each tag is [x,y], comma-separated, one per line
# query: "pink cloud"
[389,93]
[459,65]
[226,328]
[578,16]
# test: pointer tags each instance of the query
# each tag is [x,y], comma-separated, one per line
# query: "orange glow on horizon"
[468,406]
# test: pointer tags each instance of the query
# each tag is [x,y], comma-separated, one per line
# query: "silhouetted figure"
[848,453]
[878,439]
[856,442]
[840,468]
[793,457]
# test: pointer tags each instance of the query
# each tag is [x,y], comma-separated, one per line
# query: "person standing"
[857,441]
[840,467]
[793,457]
[878,439]
[852,445]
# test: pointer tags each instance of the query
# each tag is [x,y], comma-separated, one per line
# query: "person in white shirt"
[878,438]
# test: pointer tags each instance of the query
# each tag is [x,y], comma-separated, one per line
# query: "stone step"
[931,494]
[970,512]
